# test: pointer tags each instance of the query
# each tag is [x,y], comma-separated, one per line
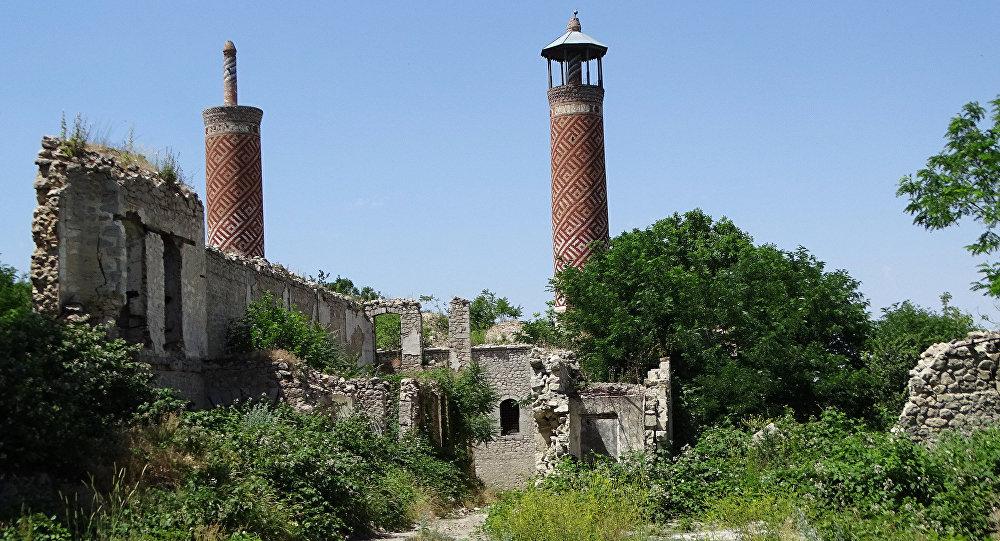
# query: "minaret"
[232,169]
[576,121]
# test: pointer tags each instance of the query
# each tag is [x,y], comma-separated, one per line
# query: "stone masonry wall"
[509,460]
[278,375]
[954,387]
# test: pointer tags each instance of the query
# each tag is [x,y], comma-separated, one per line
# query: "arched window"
[510,413]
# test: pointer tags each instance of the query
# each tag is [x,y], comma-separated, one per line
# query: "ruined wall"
[118,244]
[235,281]
[510,459]
[410,328]
[607,418]
[954,387]
[459,332]
[278,375]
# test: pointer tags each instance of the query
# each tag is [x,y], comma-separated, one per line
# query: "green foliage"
[15,291]
[388,332]
[542,330]
[267,325]
[963,181]
[749,329]
[471,400]
[67,388]
[168,166]
[485,311]
[35,527]
[835,474]
[898,338]
[599,504]
[74,142]
[345,286]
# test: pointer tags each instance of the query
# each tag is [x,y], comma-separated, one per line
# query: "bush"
[834,474]
[267,325]
[898,338]
[471,401]
[574,504]
[68,388]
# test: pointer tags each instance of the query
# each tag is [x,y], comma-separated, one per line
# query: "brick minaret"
[232,170]
[576,120]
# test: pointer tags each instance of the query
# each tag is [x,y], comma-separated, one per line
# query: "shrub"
[471,401]
[575,504]
[67,389]
[837,474]
[267,325]
[898,338]
[485,311]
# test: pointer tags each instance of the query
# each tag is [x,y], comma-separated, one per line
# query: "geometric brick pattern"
[579,187]
[235,193]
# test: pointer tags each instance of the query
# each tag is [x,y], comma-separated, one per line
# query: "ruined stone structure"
[117,244]
[954,387]
[576,117]
[580,419]
[233,175]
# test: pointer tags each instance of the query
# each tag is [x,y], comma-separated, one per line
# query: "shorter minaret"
[233,176]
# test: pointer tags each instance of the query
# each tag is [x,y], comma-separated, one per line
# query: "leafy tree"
[387,332]
[750,330]
[345,286]
[486,310]
[963,181]
[899,337]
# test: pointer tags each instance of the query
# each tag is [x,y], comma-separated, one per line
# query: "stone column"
[658,422]
[233,175]
[459,339]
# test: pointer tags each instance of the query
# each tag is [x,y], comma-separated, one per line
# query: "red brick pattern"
[235,193]
[579,187]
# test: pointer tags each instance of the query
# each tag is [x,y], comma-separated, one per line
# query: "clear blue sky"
[406,145]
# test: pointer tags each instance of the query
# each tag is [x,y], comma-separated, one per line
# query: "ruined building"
[117,243]
[576,120]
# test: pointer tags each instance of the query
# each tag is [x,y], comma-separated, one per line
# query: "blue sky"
[406,144]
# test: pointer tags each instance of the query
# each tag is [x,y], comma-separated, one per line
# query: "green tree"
[898,338]
[963,181]
[749,329]
[345,286]
[15,292]
[486,310]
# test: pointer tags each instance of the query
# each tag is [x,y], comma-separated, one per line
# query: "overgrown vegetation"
[93,451]
[268,325]
[84,135]
[898,338]
[828,478]
[470,399]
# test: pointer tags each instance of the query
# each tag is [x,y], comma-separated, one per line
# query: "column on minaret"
[576,122]
[233,175]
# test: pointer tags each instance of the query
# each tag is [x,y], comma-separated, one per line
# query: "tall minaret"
[232,169]
[576,120]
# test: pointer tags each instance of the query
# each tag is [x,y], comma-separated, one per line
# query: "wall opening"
[132,323]
[599,435]
[510,417]
[388,339]
[173,312]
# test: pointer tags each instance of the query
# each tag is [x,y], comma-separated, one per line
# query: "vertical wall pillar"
[657,408]
[459,333]
[233,174]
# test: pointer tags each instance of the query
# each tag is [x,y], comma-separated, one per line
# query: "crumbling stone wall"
[954,387]
[118,244]
[657,410]
[556,376]
[235,281]
[459,332]
[410,328]
[507,461]
[279,376]
[607,418]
